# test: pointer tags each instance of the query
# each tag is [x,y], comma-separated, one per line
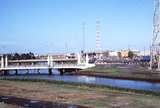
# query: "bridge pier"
[87,60]
[79,58]
[5,72]
[27,71]
[16,72]
[6,61]
[61,71]
[50,71]
[38,71]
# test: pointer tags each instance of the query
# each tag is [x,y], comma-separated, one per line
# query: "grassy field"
[100,69]
[97,97]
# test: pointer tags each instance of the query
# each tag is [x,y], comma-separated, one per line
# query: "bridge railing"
[44,65]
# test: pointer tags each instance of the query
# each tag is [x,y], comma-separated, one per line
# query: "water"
[139,85]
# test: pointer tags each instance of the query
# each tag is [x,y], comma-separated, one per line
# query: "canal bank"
[124,72]
[149,77]
[124,85]
[79,94]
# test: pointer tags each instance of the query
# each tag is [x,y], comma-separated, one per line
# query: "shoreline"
[78,94]
[121,77]
[129,90]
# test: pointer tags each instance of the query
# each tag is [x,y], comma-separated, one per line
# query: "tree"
[17,56]
[130,54]
[119,54]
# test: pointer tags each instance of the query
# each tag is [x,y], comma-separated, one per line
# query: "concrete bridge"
[51,64]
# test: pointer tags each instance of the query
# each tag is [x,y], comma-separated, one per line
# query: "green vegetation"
[101,69]
[95,102]
[130,73]
[17,56]
[130,54]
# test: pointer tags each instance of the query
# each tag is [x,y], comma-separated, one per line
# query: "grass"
[95,102]
[129,73]
[100,69]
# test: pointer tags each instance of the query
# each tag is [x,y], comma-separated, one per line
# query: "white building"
[144,53]
[113,53]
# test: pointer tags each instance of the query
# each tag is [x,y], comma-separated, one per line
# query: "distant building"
[144,53]
[113,53]
[135,52]
[124,53]
[105,53]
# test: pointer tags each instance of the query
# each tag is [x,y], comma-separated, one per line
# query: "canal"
[130,84]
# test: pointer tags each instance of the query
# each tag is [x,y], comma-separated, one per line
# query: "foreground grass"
[88,95]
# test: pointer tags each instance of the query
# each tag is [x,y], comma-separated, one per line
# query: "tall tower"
[155,46]
[98,37]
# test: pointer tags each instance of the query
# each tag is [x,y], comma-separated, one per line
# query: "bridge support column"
[32,64]
[16,72]
[2,62]
[27,71]
[48,60]
[79,58]
[38,71]
[50,71]
[87,60]
[6,61]
[6,72]
[51,61]
[62,71]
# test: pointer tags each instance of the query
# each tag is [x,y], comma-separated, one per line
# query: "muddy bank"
[35,103]
[149,77]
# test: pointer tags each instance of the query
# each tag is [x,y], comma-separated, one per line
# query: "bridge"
[42,60]
[50,64]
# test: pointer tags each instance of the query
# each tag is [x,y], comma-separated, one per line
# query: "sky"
[56,26]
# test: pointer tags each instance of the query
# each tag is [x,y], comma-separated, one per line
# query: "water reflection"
[87,79]
[140,85]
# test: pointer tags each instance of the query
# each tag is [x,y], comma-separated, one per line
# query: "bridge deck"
[45,67]
[40,60]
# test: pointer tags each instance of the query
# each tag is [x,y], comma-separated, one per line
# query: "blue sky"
[51,26]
